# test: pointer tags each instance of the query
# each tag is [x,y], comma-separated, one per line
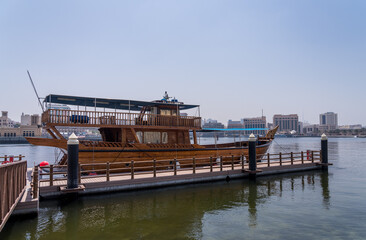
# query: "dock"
[223,168]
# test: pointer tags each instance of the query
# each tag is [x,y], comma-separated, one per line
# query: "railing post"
[242,162]
[79,173]
[35,182]
[324,151]
[302,157]
[280,155]
[107,171]
[221,163]
[292,158]
[211,164]
[5,158]
[132,170]
[194,165]
[268,160]
[51,175]
[232,162]
[154,167]
[312,156]
[175,167]
[20,157]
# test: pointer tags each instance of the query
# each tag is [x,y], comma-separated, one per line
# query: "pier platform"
[107,183]
[27,204]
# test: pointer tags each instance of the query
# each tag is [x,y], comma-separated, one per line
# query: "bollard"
[252,153]
[324,151]
[72,162]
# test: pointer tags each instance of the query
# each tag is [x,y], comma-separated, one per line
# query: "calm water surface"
[309,205]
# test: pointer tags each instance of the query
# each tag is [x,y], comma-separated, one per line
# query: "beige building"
[258,122]
[328,121]
[31,129]
[286,123]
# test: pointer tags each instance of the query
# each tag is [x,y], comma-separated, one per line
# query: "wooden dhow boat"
[134,130]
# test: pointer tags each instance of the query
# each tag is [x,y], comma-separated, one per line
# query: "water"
[308,205]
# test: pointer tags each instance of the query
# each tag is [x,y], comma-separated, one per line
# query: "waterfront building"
[234,124]
[286,123]
[328,121]
[311,129]
[257,122]
[5,121]
[211,123]
[29,120]
[351,127]
[30,128]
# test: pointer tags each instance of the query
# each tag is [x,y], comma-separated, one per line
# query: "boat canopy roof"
[132,105]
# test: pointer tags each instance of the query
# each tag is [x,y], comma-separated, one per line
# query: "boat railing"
[155,168]
[97,119]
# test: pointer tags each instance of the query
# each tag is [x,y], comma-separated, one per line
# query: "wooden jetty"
[172,173]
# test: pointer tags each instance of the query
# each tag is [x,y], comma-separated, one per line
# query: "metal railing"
[94,118]
[155,167]
[12,185]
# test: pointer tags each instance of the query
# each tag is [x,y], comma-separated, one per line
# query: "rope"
[283,149]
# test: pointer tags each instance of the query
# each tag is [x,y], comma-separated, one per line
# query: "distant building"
[5,121]
[211,123]
[351,127]
[234,124]
[30,129]
[328,121]
[311,129]
[286,123]
[258,122]
[29,120]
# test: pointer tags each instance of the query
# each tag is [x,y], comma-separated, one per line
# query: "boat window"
[139,136]
[165,112]
[164,138]
[174,112]
[152,137]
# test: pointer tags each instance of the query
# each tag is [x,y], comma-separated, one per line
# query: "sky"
[234,58]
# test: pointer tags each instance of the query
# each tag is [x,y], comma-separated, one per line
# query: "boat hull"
[121,157]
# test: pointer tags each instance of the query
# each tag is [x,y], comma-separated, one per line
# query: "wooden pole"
[268,160]
[210,164]
[154,167]
[175,167]
[194,165]
[292,158]
[132,170]
[280,155]
[107,172]
[51,175]
[220,163]
[302,157]
[242,162]
[232,162]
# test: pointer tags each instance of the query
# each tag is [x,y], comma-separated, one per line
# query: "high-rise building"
[328,121]
[286,123]
[258,122]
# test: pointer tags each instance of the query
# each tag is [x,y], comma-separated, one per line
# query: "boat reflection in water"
[212,210]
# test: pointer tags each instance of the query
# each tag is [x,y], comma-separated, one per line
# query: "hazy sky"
[234,58]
